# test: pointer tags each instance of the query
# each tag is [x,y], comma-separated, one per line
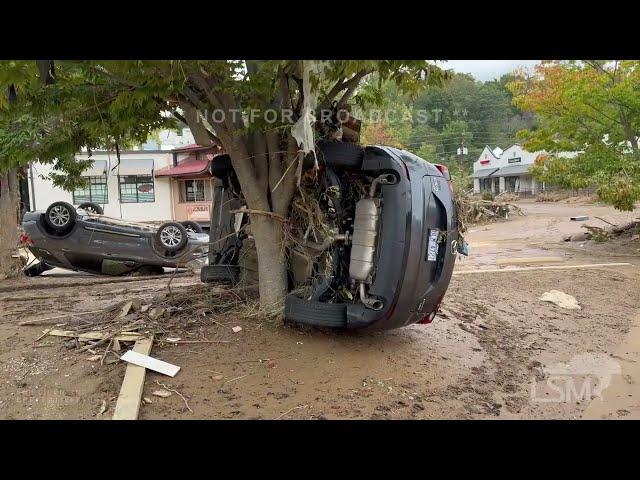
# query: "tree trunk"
[272,263]
[9,205]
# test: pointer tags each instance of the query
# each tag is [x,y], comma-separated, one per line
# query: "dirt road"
[490,354]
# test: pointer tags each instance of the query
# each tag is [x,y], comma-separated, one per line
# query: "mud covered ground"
[483,357]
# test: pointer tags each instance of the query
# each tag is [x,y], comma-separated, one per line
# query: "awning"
[513,170]
[484,173]
[190,166]
[97,169]
[137,166]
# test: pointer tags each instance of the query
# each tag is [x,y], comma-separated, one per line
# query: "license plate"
[432,245]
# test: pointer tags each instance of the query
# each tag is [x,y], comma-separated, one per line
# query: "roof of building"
[189,166]
[194,147]
[513,170]
[485,172]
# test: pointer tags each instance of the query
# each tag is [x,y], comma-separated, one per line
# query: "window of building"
[515,160]
[94,190]
[136,189]
[194,191]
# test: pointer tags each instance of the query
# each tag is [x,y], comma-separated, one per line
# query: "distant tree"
[592,108]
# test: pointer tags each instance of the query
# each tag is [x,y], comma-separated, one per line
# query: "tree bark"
[9,207]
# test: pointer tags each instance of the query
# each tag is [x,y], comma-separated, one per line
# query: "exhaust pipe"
[369,302]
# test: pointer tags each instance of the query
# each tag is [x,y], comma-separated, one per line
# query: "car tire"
[60,217]
[333,153]
[92,208]
[171,236]
[219,273]
[316,314]
[191,226]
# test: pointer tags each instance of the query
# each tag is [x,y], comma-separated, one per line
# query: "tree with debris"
[261,112]
[592,108]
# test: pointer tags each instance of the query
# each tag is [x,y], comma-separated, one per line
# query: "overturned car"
[385,252]
[84,239]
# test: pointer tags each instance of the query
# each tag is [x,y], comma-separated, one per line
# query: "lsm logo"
[585,376]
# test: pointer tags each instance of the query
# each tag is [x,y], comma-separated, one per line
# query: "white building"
[500,171]
[162,184]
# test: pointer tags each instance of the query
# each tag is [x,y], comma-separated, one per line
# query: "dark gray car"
[390,245]
[84,239]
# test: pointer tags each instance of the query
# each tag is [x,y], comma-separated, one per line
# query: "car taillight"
[25,239]
[428,318]
[445,173]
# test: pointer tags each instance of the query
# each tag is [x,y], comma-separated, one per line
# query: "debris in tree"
[161,393]
[561,299]
[151,363]
[236,329]
[580,218]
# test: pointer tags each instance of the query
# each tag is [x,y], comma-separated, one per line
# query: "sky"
[485,70]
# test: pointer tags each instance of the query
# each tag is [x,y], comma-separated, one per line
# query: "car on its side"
[389,245]
[84,239]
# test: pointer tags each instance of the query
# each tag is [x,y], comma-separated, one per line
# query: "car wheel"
[333,153]
[60,216]
[317,314]
[171,236]
[91,208]
[220,273]
[192,227]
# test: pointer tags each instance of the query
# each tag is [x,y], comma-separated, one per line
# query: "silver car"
[84,239]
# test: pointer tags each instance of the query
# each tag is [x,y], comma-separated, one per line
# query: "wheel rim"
[171,236]
[59,216]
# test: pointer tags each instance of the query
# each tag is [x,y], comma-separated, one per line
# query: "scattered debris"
[125,309]
[172,339]
[580,218]
[151,363]
[103,407]
[146,400]
[177,392]
[156,312]
[94,358]
[477,211]
[561,299]
[290,410]
[161,393]
[236,329]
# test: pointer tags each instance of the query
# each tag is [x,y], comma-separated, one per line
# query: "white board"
[150,363]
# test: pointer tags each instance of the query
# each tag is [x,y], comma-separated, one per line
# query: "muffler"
[364,239]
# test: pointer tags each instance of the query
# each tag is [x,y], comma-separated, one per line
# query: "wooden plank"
[544,267]
[123,336]
[151,363]
[524,260]
[128,403]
